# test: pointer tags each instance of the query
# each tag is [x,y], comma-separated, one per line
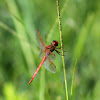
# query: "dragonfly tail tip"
[29,82]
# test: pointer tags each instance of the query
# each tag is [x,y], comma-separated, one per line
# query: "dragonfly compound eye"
[55,42]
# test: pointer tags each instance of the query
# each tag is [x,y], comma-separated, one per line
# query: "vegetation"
[19,52]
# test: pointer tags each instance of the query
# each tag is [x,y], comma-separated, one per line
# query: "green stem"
[61,40]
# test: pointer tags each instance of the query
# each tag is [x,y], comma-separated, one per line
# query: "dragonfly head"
[55,42]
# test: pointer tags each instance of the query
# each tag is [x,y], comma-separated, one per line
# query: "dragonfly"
[47,55]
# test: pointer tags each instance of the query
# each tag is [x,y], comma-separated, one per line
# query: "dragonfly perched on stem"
[47,54]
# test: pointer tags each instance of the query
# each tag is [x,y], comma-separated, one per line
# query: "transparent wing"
[49,65]
[41,54]
[51,56]
[39,39]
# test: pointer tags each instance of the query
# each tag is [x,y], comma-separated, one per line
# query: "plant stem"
[61,40]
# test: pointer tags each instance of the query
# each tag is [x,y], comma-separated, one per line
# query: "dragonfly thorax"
[52,48]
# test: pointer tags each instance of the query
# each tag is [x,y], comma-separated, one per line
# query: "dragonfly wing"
[51,56]
[49,65]
[41,54]
[39,39]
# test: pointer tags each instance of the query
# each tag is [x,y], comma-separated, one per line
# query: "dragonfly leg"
[59,53]
[60,48]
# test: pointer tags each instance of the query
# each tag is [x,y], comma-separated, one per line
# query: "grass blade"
[73,75]
[20,30]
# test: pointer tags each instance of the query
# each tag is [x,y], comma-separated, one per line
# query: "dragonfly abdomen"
[43,59]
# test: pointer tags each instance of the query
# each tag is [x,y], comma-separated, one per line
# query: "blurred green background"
[19,51]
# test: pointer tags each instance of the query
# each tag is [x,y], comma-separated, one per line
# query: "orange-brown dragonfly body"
[47,53]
